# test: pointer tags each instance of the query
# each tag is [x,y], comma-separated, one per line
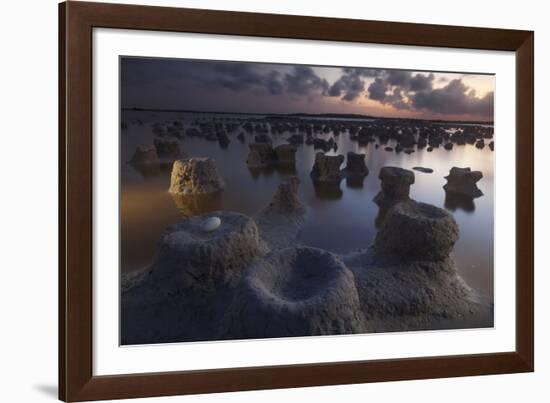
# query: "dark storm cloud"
[414,91]
[392,86]
[348,87]
[302,80]
[377,90]
[421,82]
[398,77]
[233,76]
[454,98]
[142,78]
[351,84]
[274,83]
[397,100]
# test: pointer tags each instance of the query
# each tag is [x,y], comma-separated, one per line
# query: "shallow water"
[339,219]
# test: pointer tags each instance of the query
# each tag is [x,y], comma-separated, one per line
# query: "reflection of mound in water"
[295,292]
[152,170]
[192,205]
[263,155]
[147,162]
[144,155]
[147,170]
[327,190]
[355,182]
[268,171]
[455,201]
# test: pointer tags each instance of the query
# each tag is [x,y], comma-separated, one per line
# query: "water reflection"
[149,171]
[355,182]
[191,205]
[327,190]
[455,201]
[281,169]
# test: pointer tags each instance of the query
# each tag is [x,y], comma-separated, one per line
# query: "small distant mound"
[195,176]
[280,221]
[395,186]
[463,181]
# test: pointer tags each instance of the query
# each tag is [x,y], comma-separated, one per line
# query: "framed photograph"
[252,201]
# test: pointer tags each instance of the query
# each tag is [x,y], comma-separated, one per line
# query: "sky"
[243,87]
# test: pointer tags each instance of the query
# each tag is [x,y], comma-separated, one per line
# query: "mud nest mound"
[195,176]
[463,181]
[418,231]
[296,291]
[395,183]
[191,256]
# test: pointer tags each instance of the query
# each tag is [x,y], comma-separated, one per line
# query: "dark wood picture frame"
[76,22]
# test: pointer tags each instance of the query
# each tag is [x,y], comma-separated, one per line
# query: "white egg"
[211,224]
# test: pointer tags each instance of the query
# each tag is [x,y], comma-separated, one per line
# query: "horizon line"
[327,114]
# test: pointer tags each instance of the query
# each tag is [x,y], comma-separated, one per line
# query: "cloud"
[421,82]
[349,87]
[302,80]
[454,98]
[377,90]
[398,77]
[219,75]
[351,84]
[233,76]
[415,91]
[274,83]
[393,86]
[397,99]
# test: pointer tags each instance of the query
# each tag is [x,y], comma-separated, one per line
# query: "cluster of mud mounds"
[225,275]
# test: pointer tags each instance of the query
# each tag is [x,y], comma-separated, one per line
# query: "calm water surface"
[338,219]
